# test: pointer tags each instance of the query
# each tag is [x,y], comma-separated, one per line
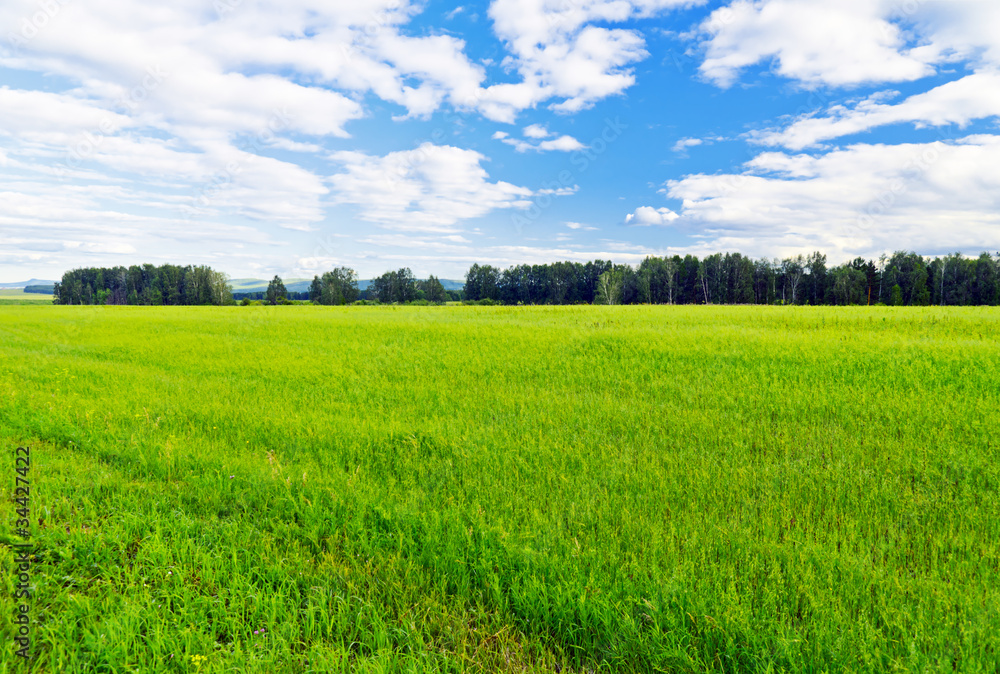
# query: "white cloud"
[187,96]
[430,188]
[813,41]
[684,143]
[862,200]
[536,131]
[60,226]
[563,143]
[581,227]
[295,146]
[448,257]
[560,54]
[646,216]
[850,42]
[973,97]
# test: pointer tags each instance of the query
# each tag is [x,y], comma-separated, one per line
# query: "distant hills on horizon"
[246,285]
[300,285]
[25,284]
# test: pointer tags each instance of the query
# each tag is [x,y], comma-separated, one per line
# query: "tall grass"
[507,489]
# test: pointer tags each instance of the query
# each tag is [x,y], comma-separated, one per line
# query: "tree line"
[340,286]
[902,279]
[401,286]
[144,285]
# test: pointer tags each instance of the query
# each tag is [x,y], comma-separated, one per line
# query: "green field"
[288,489]
[18,296]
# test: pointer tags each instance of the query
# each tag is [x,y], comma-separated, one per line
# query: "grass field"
[18,296]
[286,489]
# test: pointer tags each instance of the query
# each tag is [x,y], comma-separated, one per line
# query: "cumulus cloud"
[960,102]
[192,95]
[861,200]
[813,41]
[848,43]
[684,143]
[61,226]
[430,188]
[562,143]
[446,257]
[536,131]
[646,216]
[561,54]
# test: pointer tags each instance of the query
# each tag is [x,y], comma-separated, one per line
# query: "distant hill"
[298,285]
[32,282]
[448,284]
[256,285]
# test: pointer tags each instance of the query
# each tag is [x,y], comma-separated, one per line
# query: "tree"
[740,279]
[881,273]
[339,286]
[793,268]
[221,292]
[609,287]
[145,284]
[896,296]
[909,272]
[670,266]
[482,283]
[764,281]
[276,292]
[817,277]
[709,276]
[433,290]
[987,284]
[394,286]
[849,285]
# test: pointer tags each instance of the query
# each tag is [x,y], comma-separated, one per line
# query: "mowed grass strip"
[523,489]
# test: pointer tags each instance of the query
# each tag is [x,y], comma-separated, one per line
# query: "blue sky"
[290,137]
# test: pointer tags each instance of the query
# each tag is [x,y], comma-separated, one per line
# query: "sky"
[293,136]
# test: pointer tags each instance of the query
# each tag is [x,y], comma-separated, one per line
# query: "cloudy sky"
[291,136]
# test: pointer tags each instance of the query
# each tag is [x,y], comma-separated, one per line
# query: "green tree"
[433,290]
[849,285]
[339,286]
[315,290]
[609,287]
[792,270]
[987,284]
[816,263]
[276,292]
[896,296]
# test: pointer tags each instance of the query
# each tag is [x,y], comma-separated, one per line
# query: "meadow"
[540,489]
[18,296]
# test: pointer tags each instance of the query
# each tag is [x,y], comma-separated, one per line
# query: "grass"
[286,489]
[18,296]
